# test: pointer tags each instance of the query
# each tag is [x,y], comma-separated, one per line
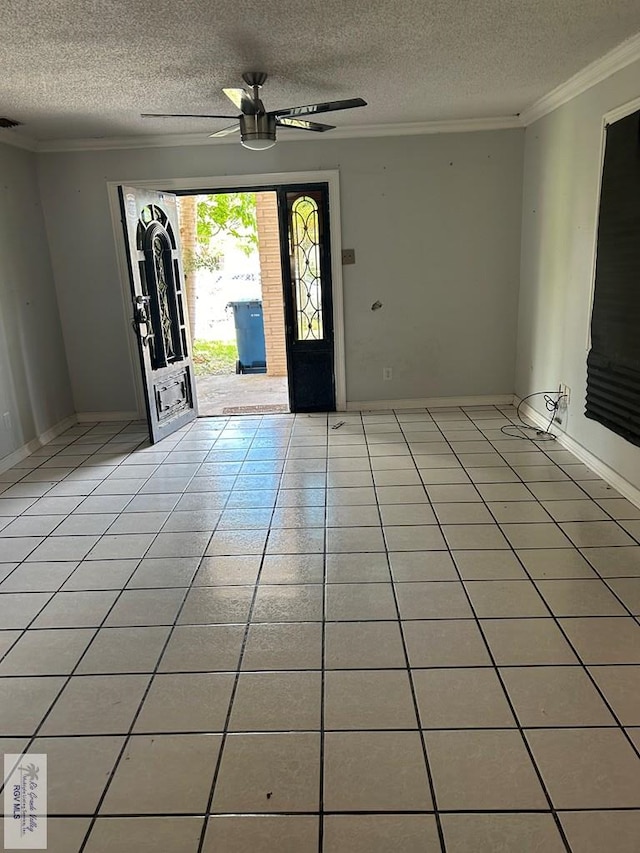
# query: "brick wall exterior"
[271,275]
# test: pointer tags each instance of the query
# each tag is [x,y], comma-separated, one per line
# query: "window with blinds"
[613,364]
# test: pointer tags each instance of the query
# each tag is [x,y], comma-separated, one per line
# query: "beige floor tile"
[229,542]
[49,652]
[433,600]
[577,597]
[227,571]
[619,508]
[505,599]
[595,831]
[35,577]
[163,774]
[585,534]
[414,538]
[440,642]
[357,568]
[380,834]
[145,835]
[296,540]
[504,492]
[535,536]
[604,639]
[555,696]
[146,607]
[587,768]
[548,563]
[124,650]
[17,610]
[186,702]
[158,572]
[277,646]
[516,512]
[621,687]
[256,834]
[474,537]
[615,562]
[276,701]
[101,574]
[463,513]
[627,589]
[403,514]
[422,566]
[453,493]
[354,539]
[82,767]
[461,698]
[203,648]
[78,712]
[282,603]
[576,510]
[381,771]
[76,610]
[262,773]
[352,516]
[488,833]
[292,568]
[526,641]
[216,604]
[483,770]
[488,565]
[368,699]
[360,601]
[25,701]
[363,645]
[64,834]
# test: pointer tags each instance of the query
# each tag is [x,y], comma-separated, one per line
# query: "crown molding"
[10,137]
[363,131]
[617,59]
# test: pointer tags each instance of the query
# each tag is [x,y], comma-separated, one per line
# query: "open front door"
[150,221]
[308,305]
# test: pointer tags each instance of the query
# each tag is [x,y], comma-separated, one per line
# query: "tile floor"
[323,634]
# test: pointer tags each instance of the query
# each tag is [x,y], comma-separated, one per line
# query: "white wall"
[434,220]
[560,208]
[34,381]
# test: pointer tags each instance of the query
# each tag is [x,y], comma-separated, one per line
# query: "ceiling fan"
[257,126]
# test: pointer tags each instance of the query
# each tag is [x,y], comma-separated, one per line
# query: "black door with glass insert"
[308,307]
[150,221]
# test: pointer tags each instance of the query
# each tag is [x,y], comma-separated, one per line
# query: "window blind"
[613,363]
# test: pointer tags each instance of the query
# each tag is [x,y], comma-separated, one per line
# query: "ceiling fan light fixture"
[258,132]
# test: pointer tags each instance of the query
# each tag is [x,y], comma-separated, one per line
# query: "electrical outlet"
[387,374]
[564,397]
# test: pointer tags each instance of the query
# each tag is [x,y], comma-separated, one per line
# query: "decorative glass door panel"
[306,264]
[155,265]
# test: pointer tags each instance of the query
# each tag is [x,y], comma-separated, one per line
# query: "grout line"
[425,753]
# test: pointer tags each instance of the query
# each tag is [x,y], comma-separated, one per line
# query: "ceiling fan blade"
[303,124]
[243,101]
[226,131]
[179,115]
[326,107]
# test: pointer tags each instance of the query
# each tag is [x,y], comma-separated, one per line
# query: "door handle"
[141,318]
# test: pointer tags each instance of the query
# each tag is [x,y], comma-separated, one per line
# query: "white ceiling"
[73,69]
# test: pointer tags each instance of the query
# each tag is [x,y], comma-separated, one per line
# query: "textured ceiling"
[87,68]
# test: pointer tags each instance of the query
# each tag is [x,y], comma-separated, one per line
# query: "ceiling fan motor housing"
[257,127]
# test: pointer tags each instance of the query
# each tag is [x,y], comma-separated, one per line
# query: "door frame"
[220,183]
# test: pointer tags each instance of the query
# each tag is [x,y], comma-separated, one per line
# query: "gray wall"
[560,209]
[34,381]
[434,220]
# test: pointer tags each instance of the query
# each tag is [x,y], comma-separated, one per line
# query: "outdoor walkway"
[233,394]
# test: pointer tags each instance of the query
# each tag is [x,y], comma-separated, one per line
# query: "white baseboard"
[95,417]
[626,489]
[35,444]
[430,403]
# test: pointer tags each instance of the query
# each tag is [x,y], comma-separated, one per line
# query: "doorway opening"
[234,294]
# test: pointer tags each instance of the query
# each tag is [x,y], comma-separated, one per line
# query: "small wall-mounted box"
[348,256]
